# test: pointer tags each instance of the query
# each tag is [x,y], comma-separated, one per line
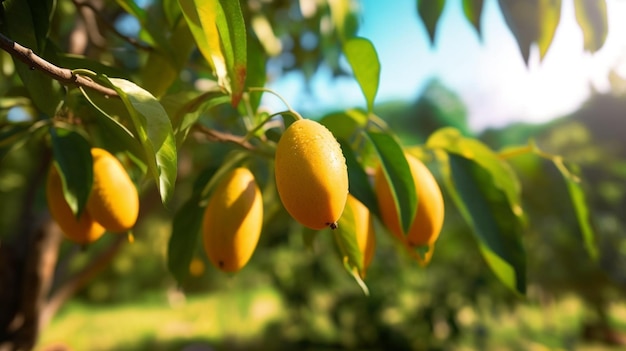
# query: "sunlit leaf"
[347,245]
[473,10]
[430,11]
[201,16]
[232,29]
[579,202]
[398,174]
[184,239]
[341,12]
[72,157]
[504,178]
[497,228]
[550,16]
[363,59]
[592,19]
[154,132]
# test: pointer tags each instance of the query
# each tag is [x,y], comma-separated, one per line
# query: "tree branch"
[217,136]
[63,75]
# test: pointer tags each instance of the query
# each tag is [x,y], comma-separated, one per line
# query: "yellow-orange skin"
[84,230]
[364,230]
[429,216]
[114,201]
[311,174]
[233,220]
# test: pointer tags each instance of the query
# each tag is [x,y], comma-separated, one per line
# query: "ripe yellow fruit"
[311,174]
[83,230]
[113,201]
[233,220]
[428,219]
[364,230]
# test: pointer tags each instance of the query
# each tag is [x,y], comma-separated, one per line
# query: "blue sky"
[489,75]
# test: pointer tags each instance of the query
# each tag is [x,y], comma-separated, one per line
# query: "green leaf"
[232,29]
[497,228]
[72,157]
[345,124]
[398,174]
[578,198]
[184,239]
[201,17]
[345,238]
[504,178]
[163,66]
[359,184]
[154,133]
[429,12]
[341,13]
[18,25]
[42,12]
[549,18]
[257,75]
[521,18]
[473,10]
[532,22]
[592,19]
[363,59]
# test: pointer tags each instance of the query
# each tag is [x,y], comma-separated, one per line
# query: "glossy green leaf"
[154,132]
[185,238]
[579,202]
[232,29]
[398,174]
[504,178]
[429,12]
[72,157]
[363,59]
[345,238]
[359,184]
[473,10]
[592,19]
[497,228]
[201,17]
[349,253]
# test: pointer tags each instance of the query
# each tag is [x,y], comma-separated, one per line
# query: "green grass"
[241,320]
[163,324]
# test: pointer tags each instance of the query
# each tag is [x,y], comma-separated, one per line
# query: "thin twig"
[217,136]
[63,75]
